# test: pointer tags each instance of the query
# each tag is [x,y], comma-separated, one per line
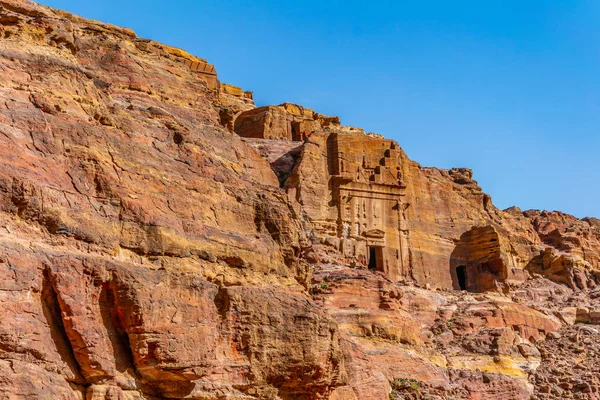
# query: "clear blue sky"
[508,88]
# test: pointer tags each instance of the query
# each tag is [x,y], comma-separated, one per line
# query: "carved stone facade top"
[285,122]
[206,70]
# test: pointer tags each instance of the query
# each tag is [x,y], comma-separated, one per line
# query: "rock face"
[232,101]
[574,253]
[563,376]
[362,195]
[145,251]
[286,121]
[349,186]
[162,238]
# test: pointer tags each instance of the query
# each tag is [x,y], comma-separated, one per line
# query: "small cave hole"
[461,275]
[177,137]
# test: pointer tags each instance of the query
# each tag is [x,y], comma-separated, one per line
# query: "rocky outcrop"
[361,194]
[350,188]
[570,366]
[454,343]
[573,255]
[232,101]
[282,155]
[162,238]
[284,122]
[145,250]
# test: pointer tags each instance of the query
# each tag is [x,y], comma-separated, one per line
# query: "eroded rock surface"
[285,121]
[147,251]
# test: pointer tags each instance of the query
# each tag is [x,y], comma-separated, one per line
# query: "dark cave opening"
[461,275]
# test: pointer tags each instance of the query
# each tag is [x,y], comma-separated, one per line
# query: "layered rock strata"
[286,121]
[162,238]
[145,251]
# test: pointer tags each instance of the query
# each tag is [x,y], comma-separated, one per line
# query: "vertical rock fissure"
[53,315]
[117,334]
[222,304]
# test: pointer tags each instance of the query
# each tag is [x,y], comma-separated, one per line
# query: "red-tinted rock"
[144,250]
[149,252]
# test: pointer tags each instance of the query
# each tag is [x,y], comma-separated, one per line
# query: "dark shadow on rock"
[476,263]
[285,165]
[53,316]
[115,328]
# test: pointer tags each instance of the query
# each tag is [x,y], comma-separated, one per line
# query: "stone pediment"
[374,233]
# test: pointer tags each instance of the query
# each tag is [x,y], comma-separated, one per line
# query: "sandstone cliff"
[143,247]
[162,238]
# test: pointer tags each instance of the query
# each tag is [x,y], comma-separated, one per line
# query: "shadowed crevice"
[53,315]
[117,334]
[222,303]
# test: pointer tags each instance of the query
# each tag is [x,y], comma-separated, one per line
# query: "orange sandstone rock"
[286,121]
[147,251]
